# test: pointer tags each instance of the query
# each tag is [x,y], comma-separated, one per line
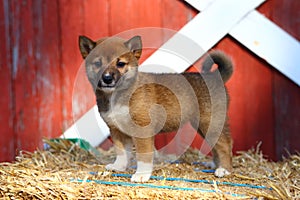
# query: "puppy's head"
[110,61]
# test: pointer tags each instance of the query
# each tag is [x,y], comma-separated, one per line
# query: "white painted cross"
[262,37]
[216,19]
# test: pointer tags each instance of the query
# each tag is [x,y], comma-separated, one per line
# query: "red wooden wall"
[39,64]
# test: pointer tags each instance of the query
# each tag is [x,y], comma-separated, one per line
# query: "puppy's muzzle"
[107,81]
[107,78]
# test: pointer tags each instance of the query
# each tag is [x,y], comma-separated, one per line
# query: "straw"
[50,174]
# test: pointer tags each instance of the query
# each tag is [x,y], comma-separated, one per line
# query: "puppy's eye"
[98,63]
[121,64]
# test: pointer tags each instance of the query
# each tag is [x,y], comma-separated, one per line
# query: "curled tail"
[222,60]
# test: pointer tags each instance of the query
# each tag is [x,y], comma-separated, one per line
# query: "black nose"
[107,78]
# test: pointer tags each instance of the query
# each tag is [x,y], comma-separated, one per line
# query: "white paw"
[143,172]
[120,163]
[116,167]
[220,172]
[140,177]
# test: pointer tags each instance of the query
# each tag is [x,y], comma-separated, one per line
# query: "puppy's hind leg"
[222,153]
[144,156]
[221,148]
[123,148]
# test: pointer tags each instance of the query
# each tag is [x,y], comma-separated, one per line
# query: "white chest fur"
[116,115]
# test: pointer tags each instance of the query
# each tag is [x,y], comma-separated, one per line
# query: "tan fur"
[134,104]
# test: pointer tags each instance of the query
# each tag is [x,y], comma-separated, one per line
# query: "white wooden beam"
[199,35]
[271,43]
[266,40]
[89,127]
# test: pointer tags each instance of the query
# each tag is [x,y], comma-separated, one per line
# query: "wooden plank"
[24,75]
[286,95]
[84,18]
[71,20]
[7,152]
[35,72]
[128,18]
[285,14]
[96,19]
[47,62]
[286,116]
[125,15]
[175,14]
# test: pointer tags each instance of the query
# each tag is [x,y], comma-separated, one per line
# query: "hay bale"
[64,172]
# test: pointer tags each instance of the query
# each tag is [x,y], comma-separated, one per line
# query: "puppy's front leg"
[144,155]
[123,148]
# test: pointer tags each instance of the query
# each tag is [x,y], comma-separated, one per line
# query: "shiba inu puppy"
[137,105]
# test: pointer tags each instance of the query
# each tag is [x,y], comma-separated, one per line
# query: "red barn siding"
[35,72]
[6,100]
[40,65]
[286,95]
[70,20]
[76,18]
[24,75]
[48,70]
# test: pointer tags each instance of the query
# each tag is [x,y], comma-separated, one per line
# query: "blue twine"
[197,181]
[151,186]
[193,181]
[205,170]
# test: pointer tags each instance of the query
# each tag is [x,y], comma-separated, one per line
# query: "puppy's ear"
[135,46]
[85,45]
